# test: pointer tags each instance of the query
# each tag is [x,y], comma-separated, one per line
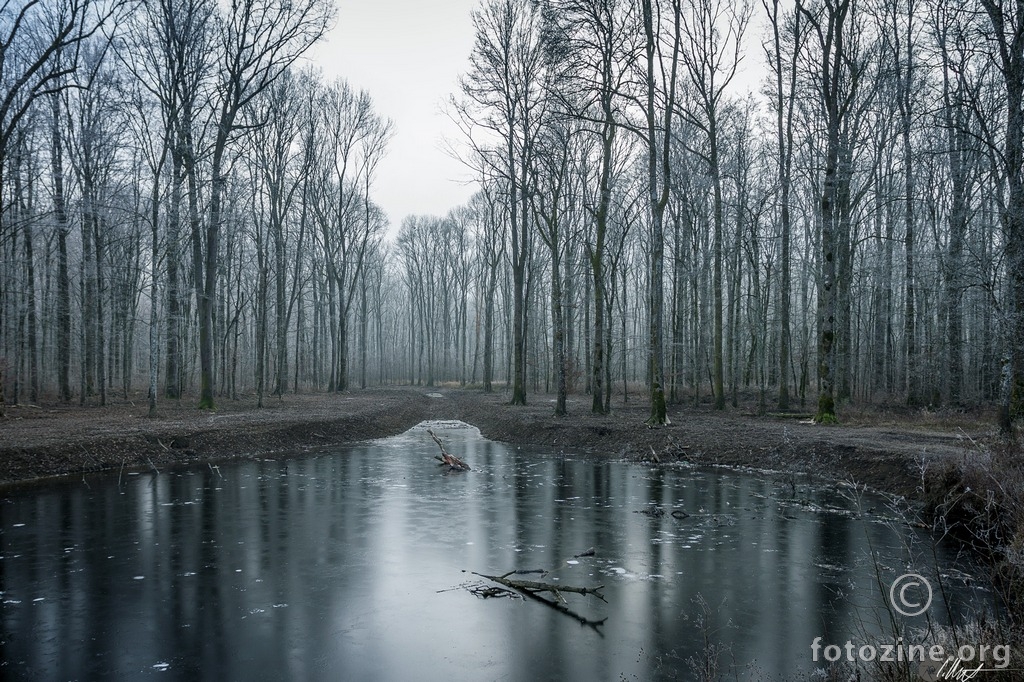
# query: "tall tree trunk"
[520,258]
[735,286]
[262,286]
[332,312]
[282,308]
[836,94]
[609,324]
[910,331]
[364,331]
[597,253]
[154,319]
[88,293]
[658,182]
[879,288]
[341,381]
[784,108]
[558,322]
[173,383]
[717,285]
[31,321]
[492,287]
[569,307]
[844,273]
[959,216]
[828,293]
[518,275]
[207,275]
[679,313]
[63,277]
[101,336]
[1008,36]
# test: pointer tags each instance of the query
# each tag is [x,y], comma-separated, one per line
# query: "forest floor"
[884,449]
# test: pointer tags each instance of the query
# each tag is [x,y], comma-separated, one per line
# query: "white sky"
[408,54]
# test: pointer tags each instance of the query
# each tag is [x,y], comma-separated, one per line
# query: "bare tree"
[491,247]
[503,93]
[40,43]
[783,101]
[550,179]
[958,95]
[713,33]
[659,180]
[167,48]
[274,155]
[601,34]
[257,41]
[63,276]
[356,138]
[835,74]
[1007,36]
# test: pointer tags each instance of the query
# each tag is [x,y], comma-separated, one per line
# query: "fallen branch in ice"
[484,591]
[534,589]
[658,512]
[490,591]
[453,462]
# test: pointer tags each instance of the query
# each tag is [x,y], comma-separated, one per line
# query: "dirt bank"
[52,440]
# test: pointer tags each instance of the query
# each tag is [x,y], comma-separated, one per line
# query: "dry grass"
[970,419]
[979,499]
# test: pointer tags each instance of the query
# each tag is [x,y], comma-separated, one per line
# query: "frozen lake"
[357,564]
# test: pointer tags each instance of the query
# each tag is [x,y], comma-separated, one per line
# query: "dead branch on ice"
[453,462]
[533,589]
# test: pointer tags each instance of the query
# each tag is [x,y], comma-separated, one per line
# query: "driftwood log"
[534,590]
[447,459]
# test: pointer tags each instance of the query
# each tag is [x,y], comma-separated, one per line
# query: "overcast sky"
[408,54]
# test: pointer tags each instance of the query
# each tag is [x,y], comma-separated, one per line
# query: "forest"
[187,207]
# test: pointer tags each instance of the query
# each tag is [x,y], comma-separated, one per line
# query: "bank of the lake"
[884,453]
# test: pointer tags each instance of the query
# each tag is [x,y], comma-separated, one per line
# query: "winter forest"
[187,207]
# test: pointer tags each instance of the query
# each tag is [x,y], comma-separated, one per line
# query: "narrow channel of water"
[356,565]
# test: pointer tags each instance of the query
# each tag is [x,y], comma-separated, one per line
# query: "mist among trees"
[187,207]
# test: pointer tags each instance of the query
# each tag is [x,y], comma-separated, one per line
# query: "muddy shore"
[41,442]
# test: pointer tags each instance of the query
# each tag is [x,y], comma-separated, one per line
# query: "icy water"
[357,565]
